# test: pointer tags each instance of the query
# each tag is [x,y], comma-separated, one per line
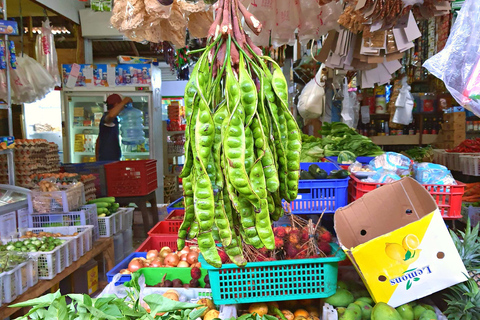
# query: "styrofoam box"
[80,244]
[56,201]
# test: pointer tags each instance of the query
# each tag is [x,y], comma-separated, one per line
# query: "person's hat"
[113,99]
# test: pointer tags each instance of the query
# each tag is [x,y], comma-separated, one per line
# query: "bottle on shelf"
[434,126]
[426,126]
[372,131]
[381,128]
[412,130]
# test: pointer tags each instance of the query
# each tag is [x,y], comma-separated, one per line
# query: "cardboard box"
[457,117]
[454,135]
[397,240]
[78,112]
[455,126]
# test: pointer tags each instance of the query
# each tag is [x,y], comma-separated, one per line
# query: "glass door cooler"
[12,198]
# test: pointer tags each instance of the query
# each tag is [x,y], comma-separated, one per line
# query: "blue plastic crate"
[124,265]
[317,196]
[363,160]
[172,207]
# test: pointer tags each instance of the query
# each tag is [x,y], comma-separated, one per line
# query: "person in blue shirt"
[107,147]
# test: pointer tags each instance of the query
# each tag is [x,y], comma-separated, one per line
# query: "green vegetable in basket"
[317,172]
[105,199]
[102,204]
[346,157]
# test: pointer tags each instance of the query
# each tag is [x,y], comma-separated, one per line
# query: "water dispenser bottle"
[131,126]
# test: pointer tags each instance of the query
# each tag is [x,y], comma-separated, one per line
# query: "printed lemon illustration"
[411,257]
[395,251]
[410,242]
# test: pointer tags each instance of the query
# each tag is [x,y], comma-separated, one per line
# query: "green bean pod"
[234,251]
[278,212]
[221,221]
[249,150]
[189,216]
[204,132]
[264,226]
[271,203]
[232,88]
[193,232]
[248,92]
[247,220]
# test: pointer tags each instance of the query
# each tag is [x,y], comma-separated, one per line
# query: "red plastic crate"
[131,178]
[169,226]
[448,198]
[157,242]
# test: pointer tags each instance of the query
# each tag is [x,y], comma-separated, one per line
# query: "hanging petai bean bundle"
[242,145]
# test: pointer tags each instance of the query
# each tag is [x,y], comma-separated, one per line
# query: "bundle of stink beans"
[242,143]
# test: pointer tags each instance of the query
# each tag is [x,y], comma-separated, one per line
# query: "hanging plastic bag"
[46,52]
[263,11]
[287,21]
[404,105]
[350,106]
[312,99]
[317,20]
[458,64]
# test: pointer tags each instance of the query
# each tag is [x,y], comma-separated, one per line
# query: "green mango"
[383,311]
[341,298]
[428,307]
[366,309]
[341,311]
[355,308]
[418,310]
[428,315]
[361,293]
[342,285]
[406,311]
[348,315]
[366,300]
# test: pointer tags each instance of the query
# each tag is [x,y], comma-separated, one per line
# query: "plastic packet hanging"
[263,11]
[458,64]
[12,54]
[312,99]
[316,19]
[350,106]
[46,52]
[392,161]
[287,20]
[404,105]
[383,176]
[431,173]
[3,55]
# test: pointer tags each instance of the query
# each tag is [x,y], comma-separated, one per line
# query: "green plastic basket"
[153,276]
[275,280]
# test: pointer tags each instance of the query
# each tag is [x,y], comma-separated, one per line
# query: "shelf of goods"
[404,139]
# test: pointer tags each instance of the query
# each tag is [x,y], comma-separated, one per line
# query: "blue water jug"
[131,126]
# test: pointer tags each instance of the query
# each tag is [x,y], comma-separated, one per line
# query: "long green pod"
[247,219]
[189,216]
[248,92]
[221,221]
[234,251]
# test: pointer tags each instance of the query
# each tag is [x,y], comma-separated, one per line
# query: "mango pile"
[354,304]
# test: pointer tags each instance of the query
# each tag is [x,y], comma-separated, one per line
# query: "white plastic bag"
[287,21]
[316,20]
[458,64]
[350,106]
[263,11]
[404,105]
[46,52]
[312,99]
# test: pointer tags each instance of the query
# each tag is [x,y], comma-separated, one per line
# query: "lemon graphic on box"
[407,252]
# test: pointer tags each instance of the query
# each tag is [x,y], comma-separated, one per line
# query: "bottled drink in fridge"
[131,126]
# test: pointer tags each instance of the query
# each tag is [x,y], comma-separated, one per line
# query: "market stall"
[326,175]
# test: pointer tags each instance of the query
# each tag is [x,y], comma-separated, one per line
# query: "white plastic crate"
[85,216]
[80,243]
[453,160]
[22,278]
[56,201]
[9,284]
[32,272]
[440,156]
[471,165]
[8,224]
[53,262]
[108,226]
[127,219]
[127,242]
[118,247]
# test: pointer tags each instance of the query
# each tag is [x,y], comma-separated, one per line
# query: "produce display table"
[141,202]
[102,246]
